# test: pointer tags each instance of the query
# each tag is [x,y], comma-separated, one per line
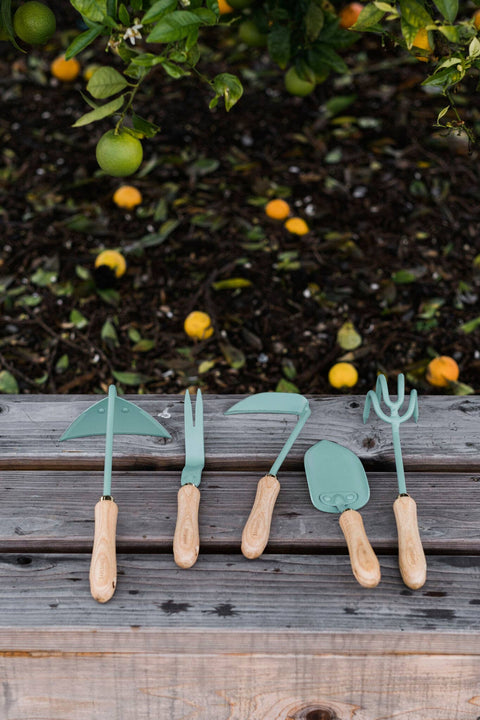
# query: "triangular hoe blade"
[270,402]
[128,419]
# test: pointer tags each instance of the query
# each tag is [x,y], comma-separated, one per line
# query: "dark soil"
[391,202]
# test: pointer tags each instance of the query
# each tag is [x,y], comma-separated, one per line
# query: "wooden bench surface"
[299,599]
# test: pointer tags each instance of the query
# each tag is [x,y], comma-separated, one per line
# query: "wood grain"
[256,532]
[446,436]
[186,539]
[364,562]
[411,558]
[52,511]
[274,593]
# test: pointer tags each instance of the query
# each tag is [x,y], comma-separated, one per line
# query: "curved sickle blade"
[270,402]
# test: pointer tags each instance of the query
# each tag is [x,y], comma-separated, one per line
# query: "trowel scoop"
[338,484]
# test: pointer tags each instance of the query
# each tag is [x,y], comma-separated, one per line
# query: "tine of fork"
[187,413]
[199,413]
[400,390]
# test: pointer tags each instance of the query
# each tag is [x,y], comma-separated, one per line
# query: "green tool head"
[271,402]
[336,478]
[128,419]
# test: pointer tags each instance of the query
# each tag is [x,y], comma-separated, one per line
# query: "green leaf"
[448,8]
[6,22]
[284,385]
[459,388]
[415,14]
[279,45]
[231,284]
[442,113]
[289,369]
[474,48]
[62,364]
[403,277]
[339,103]
[144,345]
[205,366]
[158,10]
[347,337]
[8,383]
[470,326]
[326,55]
[314,21]
[101,112]
[94,10]
[174,26]
[450,32]
[368,18]
[110,296]
[105,82]
[123,15]
[173,70]
[78,320]
[234,357]
[228,86]
[109,334]
[130,378]
[43,278]
[147,128]
[82,41]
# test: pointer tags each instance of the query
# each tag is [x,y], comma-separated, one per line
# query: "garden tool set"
[336,480]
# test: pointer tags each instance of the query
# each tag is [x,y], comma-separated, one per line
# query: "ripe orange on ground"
[198,325]
[441,371]
[349,14]
[342,375]
[66,70]
[224,7]
[297,226]
[422,42]
[113,260]
[476,19]
[277,209]
[127,197]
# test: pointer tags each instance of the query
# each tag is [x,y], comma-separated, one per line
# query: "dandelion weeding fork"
[411,557]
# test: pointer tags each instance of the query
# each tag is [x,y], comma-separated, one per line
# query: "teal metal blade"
[280,404]
[113,416]
[194,445]
[336,478]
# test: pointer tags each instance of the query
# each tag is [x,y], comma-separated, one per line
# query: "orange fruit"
[127,197]
[441,371]
[421,41]
[34,23]
[224,8]
[66,70]
[297,226]
[342,375]
[113,260]
[118,153]
[198,325]
[476,19]
[349,14]
[277,209]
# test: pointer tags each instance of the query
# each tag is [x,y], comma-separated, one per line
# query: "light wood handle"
[411,558]
[364,562]
[186,541]
[103,567]
[257,528]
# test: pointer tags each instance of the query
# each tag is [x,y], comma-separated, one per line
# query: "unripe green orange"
[34,23]
[118,153]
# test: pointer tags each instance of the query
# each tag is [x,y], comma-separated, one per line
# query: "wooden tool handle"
[364,562]
[411,558]
[186,541]
[103,567]
[257,528]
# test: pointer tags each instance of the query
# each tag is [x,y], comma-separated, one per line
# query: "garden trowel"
[257,528]
[338,484]
[111,416]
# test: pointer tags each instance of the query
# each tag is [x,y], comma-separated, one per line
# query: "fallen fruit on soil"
[297,226]
[249,33]
[34,23]
[118,153]
[421,41]
[224,7]
[65,70]
[113,260]
[127,197]
[441,371]
[342,375]
[296,85]
[198,325]
[277,209]
[349,14]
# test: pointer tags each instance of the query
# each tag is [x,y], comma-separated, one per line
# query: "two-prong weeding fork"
[186,541]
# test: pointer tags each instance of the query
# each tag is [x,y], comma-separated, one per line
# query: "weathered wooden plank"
[446,436]
[221,592]
[228,687]
[53,511]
